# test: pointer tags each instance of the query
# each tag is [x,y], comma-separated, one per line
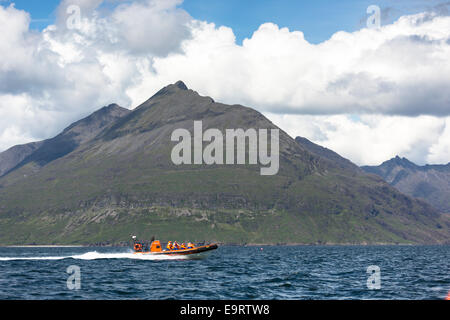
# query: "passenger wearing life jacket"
[169,245]
[137,247]
[183,246]
[190,245]
[176,246]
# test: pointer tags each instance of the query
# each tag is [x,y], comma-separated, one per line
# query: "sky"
[324,70]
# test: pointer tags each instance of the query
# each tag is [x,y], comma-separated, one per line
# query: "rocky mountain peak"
[174,88]
[400,161]
[180,85]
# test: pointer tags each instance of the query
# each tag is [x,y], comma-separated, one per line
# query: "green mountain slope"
[123,182]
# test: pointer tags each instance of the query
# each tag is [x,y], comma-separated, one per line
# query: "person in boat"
[176,246]
[169,245]
[138,247]
[190,245]
[183,246]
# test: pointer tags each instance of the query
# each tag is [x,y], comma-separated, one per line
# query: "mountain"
[123,181]
[430,182]
[13,156]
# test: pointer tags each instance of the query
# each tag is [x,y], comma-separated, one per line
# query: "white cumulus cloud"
[372,139]
[368,94]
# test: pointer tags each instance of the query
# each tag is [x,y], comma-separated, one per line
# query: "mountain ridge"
[430,183]
[11,157]
[69,139]
[327,154]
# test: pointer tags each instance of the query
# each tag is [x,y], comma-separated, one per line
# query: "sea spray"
[94,255]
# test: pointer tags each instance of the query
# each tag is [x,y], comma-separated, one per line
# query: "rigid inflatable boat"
[156,249]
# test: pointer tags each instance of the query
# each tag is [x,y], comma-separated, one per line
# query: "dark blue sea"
[269,272]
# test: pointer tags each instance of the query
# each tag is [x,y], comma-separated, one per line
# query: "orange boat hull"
[195,250]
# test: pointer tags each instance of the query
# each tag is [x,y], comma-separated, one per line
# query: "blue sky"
[318,20]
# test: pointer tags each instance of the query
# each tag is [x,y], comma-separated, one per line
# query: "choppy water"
[275,272]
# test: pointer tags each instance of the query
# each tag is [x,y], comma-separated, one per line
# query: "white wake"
[94,255]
